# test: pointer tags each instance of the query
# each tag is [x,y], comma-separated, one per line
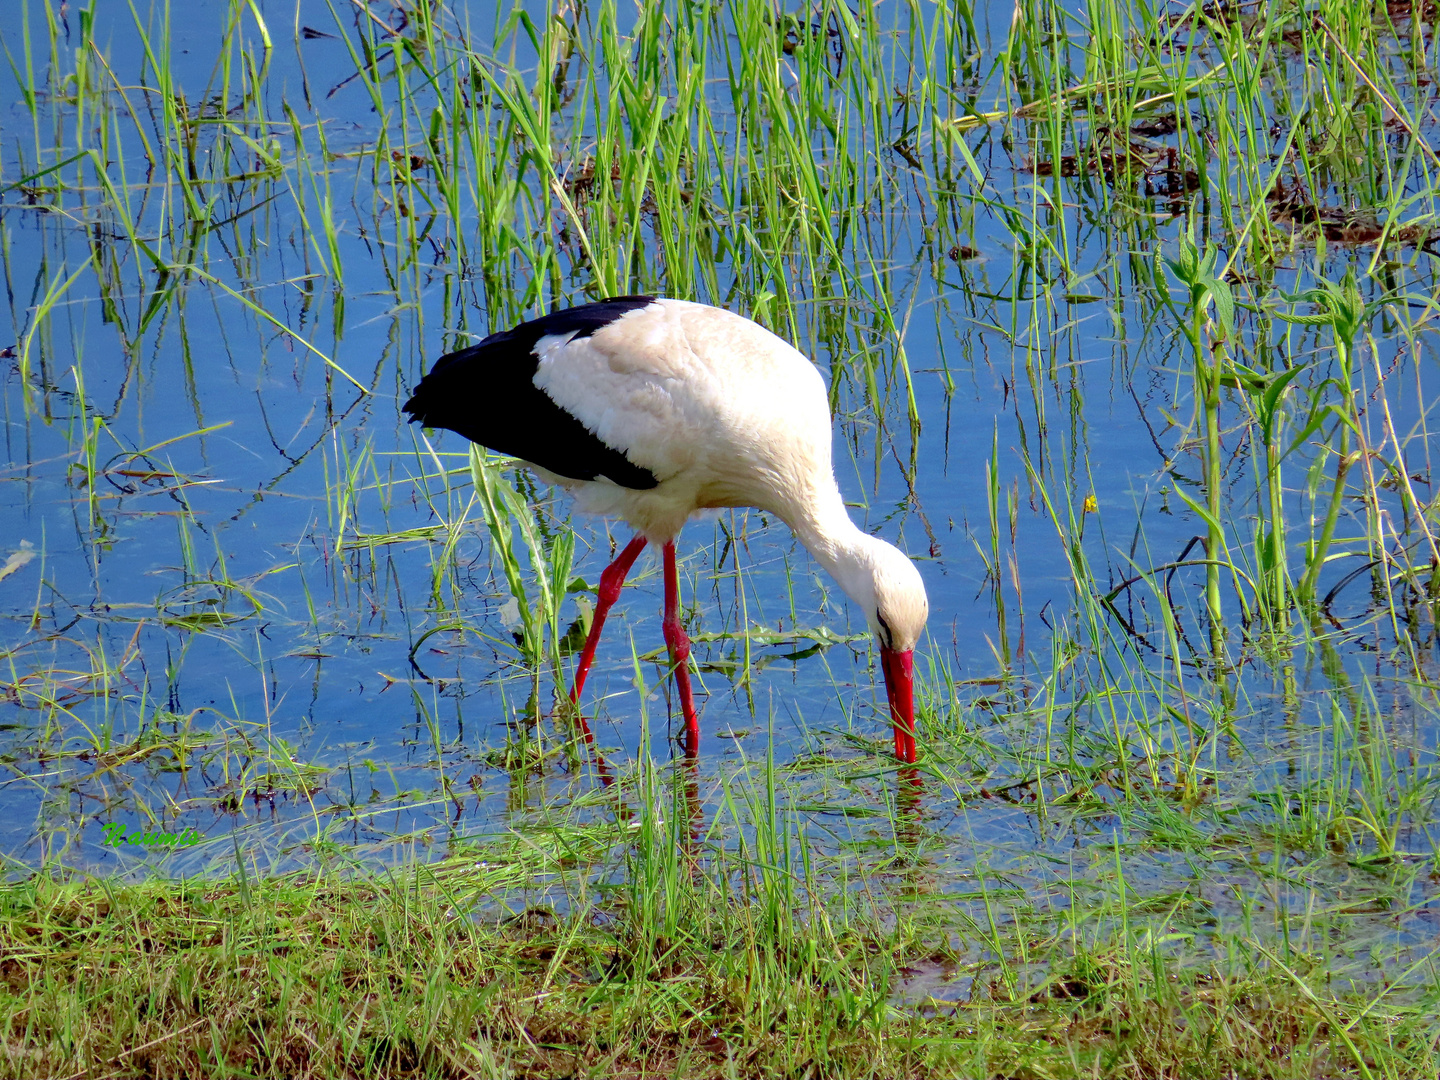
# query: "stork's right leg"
[611,581]
[679,645]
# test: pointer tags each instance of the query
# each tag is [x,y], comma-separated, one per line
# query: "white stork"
[651,410]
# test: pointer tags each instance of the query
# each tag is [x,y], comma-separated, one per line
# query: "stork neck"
[823,525]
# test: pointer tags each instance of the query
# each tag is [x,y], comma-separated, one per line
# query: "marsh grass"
[397,973]
[1176,806]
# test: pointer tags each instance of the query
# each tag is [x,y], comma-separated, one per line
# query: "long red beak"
[900,688]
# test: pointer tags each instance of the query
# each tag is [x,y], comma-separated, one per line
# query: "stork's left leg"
[612,580]
[679,645]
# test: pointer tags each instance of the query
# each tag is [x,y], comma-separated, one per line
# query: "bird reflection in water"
[910,814]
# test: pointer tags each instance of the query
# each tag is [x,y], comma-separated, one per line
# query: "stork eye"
[886,636]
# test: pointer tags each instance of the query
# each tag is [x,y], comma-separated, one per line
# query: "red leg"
[679,646]
[611,580]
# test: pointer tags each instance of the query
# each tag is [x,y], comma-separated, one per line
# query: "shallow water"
[228,540]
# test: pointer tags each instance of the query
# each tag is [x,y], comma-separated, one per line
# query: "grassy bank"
[395,975]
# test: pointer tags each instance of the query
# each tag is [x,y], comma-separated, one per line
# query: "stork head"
[899,609]
[881,578]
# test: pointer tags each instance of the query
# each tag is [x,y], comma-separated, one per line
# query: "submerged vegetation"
[1129,314]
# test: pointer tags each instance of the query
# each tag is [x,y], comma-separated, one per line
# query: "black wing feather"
[487,393]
